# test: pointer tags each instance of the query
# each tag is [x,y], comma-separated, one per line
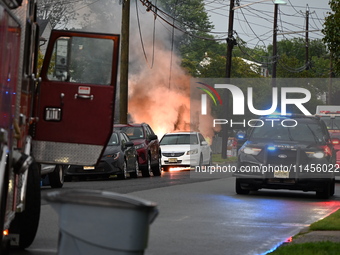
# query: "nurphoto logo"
[279,101]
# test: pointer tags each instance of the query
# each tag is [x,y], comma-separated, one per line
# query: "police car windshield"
[302,132]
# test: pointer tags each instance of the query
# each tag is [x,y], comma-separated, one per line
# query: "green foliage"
[292,61]
[194,45]
[331,31]
[315,248]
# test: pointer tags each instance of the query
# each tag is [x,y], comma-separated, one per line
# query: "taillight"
[335,141]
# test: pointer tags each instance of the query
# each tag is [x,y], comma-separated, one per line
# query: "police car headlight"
[315,154]
[252,150]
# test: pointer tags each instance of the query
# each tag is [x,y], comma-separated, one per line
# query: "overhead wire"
[190,30]
[141,39]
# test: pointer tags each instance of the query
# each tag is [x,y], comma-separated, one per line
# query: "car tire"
[26,223]
[239,190]
[135,173]
[4,244]
[210,161]
[146,171]
[123,175]
[201,161]
[332,187]
[326,191]
[57,177]
[157,169]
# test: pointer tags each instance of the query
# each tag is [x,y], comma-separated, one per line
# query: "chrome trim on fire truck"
[3,135]
[66,153]
[3,163]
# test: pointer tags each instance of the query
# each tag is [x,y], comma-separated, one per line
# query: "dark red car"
[147,146]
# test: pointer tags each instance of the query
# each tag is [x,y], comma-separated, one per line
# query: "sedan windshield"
[302,132]
[179,139]
[113,140]
[134,132]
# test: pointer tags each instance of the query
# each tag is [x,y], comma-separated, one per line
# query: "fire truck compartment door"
[75,100]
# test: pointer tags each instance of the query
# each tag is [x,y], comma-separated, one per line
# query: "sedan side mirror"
[152,137]
[128,144]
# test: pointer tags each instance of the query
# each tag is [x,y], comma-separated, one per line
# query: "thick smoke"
[159,88]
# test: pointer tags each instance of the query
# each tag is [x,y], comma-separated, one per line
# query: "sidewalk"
[306,236]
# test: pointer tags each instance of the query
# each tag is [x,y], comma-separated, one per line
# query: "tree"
[59,12]
[331,31]
[196,42]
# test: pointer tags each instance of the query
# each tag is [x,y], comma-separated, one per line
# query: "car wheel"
[4,245]
[326,191]
[26,223]
[210,161]
[136,170]
[201,160]
[157,169]
[239,190]
[57,177]
[332,187]
[146,171]
[123,175]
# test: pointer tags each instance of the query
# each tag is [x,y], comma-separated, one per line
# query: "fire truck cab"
[62,117]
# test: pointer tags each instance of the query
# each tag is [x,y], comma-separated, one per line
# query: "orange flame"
[165,103]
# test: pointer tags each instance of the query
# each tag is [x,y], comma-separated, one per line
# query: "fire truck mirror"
[61,63]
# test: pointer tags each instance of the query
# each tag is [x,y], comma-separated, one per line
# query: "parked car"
[119,158]
[147,146]
[52,175]
[185,149]
[293,152]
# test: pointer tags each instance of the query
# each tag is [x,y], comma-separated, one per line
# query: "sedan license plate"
[281,174]
[172,160]
[88,167]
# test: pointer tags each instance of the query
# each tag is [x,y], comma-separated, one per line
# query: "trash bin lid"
[98,198]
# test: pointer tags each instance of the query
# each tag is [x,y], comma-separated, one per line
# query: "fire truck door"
[75,99]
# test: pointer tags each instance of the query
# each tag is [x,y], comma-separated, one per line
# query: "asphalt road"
[202,215]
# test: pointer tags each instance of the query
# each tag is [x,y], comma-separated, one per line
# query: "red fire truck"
[63,117]
[330,114]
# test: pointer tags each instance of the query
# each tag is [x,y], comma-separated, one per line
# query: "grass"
[332,222]
[218,159]
[315,248]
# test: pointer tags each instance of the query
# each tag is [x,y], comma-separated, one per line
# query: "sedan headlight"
[139,146]
[114,155]
[252,150]
[191,152]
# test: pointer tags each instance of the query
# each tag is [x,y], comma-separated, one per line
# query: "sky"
[254,23]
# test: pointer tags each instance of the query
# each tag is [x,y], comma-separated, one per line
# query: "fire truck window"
[82,60]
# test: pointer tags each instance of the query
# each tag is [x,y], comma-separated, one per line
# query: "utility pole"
[331,76]
[124,62]
[276,8]
[230,44]
[307,39]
